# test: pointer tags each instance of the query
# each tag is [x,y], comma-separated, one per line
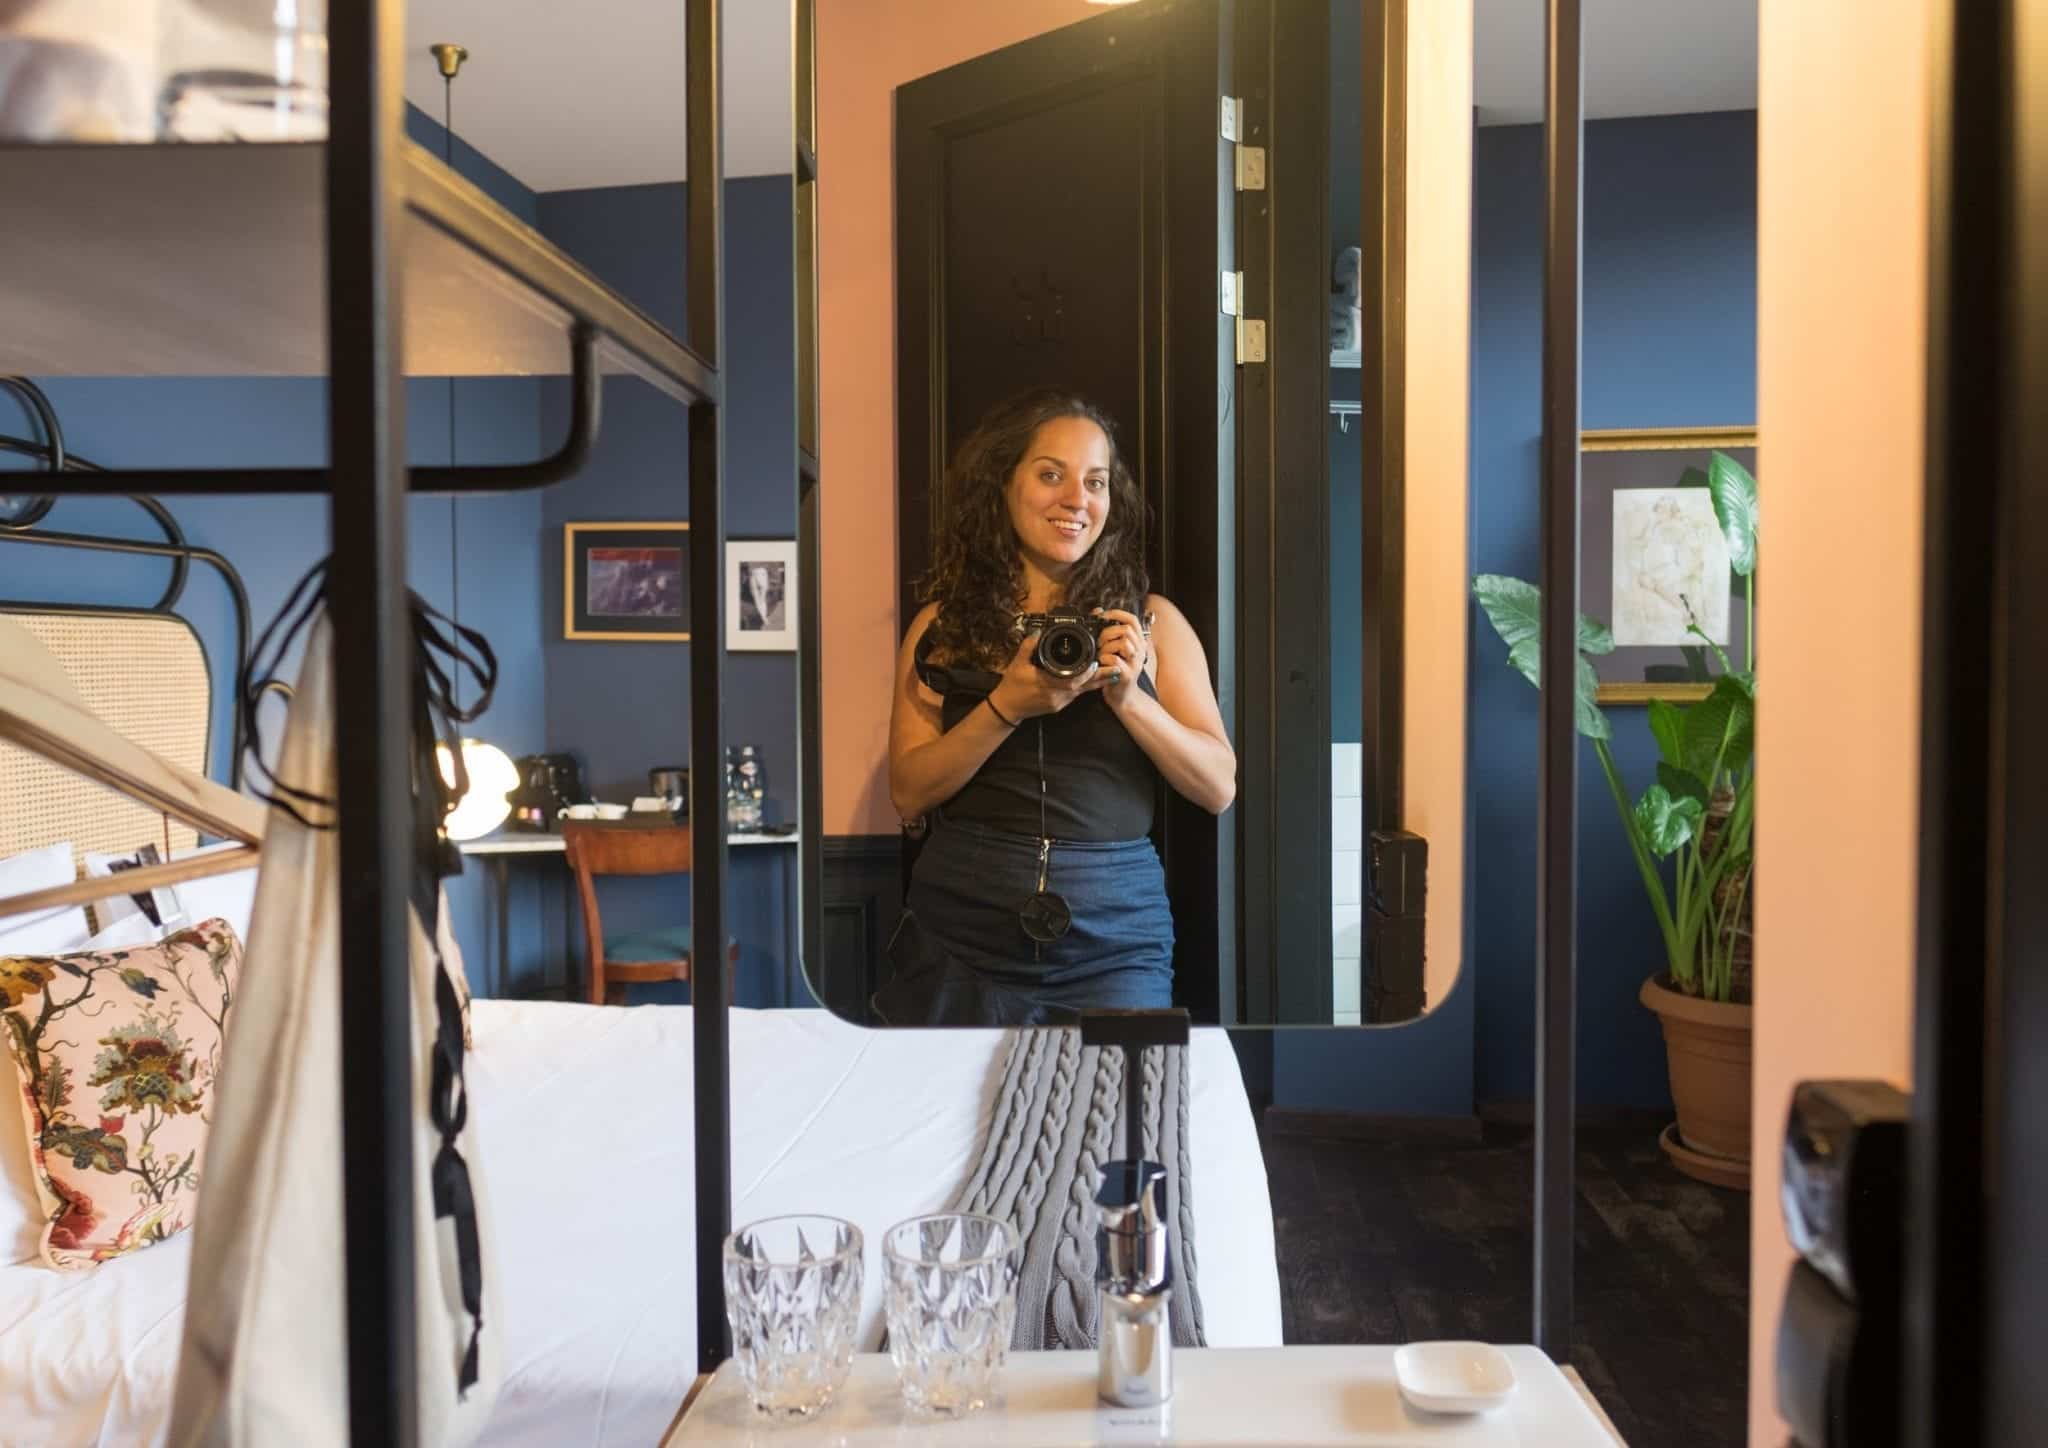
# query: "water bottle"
[753,787]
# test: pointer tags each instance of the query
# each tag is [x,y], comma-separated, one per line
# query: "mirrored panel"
[1101,531]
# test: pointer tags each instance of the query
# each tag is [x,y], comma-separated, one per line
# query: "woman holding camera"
[1042,693]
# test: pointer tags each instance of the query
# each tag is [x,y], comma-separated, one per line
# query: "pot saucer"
[1720,1171]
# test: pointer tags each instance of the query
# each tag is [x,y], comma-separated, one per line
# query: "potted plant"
[1698,815]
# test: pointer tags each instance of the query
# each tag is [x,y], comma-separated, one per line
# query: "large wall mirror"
[1110,657]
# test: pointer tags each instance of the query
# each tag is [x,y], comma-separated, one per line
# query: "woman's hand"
[1179,725]
[1125,650]
[1026,691]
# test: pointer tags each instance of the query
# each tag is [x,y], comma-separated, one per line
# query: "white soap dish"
[1453,1377]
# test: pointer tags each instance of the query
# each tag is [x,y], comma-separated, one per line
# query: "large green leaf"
[1667,727]
[1592,722]
[1681,785]
[1735,506]
[1666,823]
[1526,658]
[1515,609]
[1721,726]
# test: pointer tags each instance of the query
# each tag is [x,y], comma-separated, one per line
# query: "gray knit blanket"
[1057,1119]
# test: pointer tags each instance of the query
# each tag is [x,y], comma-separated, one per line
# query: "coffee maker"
[670,784]
[548,784]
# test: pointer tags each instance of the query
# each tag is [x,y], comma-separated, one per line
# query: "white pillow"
[230,897]
[128,930]
[46,932]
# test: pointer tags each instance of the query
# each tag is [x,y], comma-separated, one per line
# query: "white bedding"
[584,1132]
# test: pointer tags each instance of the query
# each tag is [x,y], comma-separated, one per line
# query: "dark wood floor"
[1398,1240]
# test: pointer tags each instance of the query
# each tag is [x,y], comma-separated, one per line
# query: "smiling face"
[1059,494]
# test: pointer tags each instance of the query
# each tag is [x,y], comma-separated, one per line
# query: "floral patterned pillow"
[115,1055]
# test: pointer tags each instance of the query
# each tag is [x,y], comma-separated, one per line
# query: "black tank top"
[1099,785]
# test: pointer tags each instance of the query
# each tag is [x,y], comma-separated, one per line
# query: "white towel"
[1344,274]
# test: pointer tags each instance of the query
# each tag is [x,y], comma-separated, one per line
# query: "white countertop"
[1271,1396]
[521,842]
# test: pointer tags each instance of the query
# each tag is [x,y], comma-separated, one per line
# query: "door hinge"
[1251,335]
[1251,168]
[1248,163]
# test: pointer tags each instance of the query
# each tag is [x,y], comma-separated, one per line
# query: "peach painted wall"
[1842,137]
[1438,392]
[865,49]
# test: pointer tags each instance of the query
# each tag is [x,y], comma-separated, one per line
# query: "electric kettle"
[548,784]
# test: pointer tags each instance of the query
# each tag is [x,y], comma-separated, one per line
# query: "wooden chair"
[617,961]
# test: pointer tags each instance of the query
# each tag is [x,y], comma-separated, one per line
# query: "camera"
[1068,640]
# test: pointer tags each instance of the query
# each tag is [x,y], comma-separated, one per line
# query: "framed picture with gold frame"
[1652,559]
[626,582]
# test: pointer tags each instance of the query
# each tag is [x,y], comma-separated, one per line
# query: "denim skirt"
[960,956]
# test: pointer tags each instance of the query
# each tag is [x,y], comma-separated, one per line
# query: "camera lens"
[1066,649]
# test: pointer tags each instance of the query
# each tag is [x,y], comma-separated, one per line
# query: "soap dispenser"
[1134,1366]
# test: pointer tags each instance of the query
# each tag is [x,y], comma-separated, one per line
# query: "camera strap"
[1045,916]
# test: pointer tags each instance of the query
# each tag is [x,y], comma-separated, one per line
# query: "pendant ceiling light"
[491,774]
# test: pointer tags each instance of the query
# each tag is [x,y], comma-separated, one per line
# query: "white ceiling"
[591,94]
[1643,58]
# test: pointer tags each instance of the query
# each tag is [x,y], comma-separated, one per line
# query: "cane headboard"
[144,674]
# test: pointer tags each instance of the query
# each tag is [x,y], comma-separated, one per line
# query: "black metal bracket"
[1132,1031]
[585,415]
[1397,892]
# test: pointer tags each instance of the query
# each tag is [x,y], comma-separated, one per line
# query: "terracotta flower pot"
[1706,1049]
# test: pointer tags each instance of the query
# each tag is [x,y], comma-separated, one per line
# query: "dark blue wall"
[624,707]
[1670,340]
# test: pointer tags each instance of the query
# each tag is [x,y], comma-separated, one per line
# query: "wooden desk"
[1222,1396]
[498,851]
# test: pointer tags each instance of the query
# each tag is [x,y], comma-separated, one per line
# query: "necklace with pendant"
[1045,916]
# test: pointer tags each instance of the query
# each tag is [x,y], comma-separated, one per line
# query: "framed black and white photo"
[626,582]
[760,594]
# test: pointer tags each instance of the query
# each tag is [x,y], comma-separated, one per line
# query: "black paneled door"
[1064,216]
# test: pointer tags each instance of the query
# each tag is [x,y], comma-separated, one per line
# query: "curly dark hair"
[977,575]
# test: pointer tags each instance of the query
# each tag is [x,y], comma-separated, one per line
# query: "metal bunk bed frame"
[372,178]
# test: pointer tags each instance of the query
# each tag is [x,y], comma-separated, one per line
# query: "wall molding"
[860,898]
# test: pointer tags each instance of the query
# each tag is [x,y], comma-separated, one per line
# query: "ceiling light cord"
[450,58]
